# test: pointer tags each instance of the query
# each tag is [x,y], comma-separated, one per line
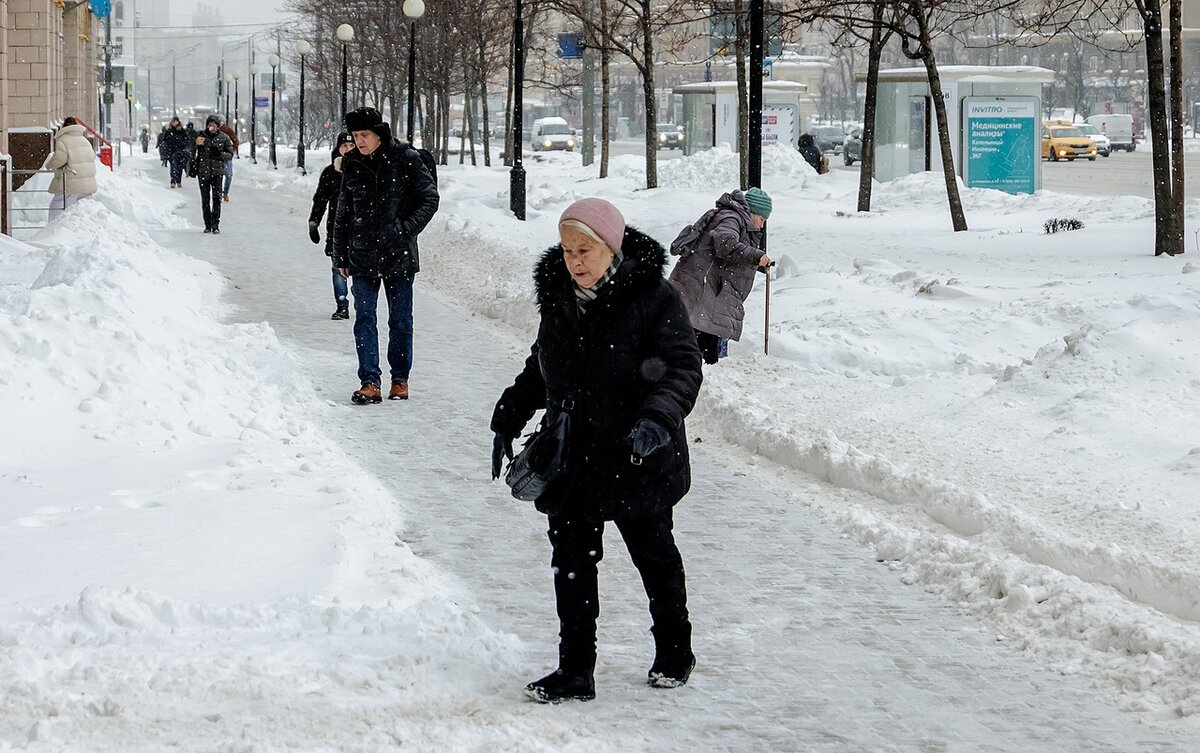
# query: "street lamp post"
[273,61]
[413,9]
[516,184]
[345,33]
[253,113]
[228,85]
[237,123]
[303,48]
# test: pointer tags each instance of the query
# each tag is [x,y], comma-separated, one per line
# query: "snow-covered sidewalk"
[245,562]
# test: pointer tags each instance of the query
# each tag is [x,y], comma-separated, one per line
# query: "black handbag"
[543,459]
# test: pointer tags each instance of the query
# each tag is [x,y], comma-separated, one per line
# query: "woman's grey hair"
[577,225]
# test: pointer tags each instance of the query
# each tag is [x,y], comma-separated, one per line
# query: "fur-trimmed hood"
[642,269]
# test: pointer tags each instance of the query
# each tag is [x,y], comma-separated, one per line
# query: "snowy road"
[804,642]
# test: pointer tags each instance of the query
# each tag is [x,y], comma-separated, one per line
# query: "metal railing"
[8,203]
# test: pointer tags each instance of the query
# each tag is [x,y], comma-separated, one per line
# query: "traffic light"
[129,91]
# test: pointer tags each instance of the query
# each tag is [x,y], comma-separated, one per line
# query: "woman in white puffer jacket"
[74,164]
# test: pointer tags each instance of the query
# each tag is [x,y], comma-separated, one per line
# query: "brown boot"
[367,394]
[399,390]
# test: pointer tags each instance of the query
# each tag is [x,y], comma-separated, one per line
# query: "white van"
[1118,127]
[551,133]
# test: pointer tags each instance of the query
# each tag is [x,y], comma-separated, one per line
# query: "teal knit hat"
[759,202]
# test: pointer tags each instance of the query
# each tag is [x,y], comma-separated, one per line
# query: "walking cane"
[767,323]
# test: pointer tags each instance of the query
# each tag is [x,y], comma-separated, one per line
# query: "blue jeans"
[178,160]
[341,292]
[228,176]
[399,292]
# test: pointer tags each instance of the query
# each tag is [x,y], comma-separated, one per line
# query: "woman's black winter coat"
[387,199]
[212,155]
[175,140]
[631,355]
[326,195]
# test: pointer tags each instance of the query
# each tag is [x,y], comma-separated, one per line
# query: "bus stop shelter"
[710,114]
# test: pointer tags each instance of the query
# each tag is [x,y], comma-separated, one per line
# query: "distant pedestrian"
[191,139]
[74,164]
[213,151]
[145,138]
[715,280]
[160,145]
[388,196]
[176,147]
[811,153]
[232,134]
[326,195]
[615,353]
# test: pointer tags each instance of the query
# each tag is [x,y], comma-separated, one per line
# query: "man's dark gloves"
[501,448]
[648,436]
[314,234]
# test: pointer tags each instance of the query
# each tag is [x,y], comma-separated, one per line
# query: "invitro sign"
[1001,143]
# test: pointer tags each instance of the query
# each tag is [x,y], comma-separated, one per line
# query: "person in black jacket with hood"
[175,146]
[326,195]
[388,196]
[614,349]
[211,150]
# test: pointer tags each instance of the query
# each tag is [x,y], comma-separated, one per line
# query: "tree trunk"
[921,15]
[1178,194]
[740,44]
[605,89]
[1157,103]
[870,105]
[651,102]
[483,101]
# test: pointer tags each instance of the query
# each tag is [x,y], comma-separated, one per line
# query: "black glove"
[647,437]
[501,448]
[314,234]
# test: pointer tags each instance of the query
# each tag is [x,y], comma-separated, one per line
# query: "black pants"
[578,548]
[210,199]
[708,346]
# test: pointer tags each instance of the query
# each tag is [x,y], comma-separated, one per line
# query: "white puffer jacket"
[73,161]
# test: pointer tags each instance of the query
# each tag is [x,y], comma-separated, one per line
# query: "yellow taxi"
[1065,141]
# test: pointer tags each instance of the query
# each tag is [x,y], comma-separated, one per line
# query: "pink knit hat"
[602,217]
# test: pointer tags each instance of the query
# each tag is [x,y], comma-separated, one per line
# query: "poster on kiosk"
[1001,143]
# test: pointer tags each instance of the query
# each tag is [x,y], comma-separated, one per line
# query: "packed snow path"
[804,642]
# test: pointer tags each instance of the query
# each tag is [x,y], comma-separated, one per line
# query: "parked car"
[1102,142]
[670,136]
[829,138]
[852,147]
[1065,142]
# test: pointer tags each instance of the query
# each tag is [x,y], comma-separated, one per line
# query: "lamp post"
[345,33]
[237,124]
[273,61]
[253,113]
[302,48]
[516,183]
[228,84]
[413,9]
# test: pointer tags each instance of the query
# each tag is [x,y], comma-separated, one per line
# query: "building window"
[119,11]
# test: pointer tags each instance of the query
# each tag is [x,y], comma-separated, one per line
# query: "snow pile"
[718,169]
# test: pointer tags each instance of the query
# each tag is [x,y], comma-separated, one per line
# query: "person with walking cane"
[715,275]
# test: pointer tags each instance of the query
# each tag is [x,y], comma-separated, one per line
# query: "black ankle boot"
[673,657]
[559,686]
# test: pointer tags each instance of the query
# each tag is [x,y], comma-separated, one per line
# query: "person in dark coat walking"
[326,195]
[175,144]
[160,145]
[388,196]
[715,280]
[213,150]
[614,349]
[191,139]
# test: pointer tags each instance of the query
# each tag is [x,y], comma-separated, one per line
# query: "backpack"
[430,162]
[686,243]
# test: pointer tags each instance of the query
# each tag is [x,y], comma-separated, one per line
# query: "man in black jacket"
[326,195]
[212,150]
[175,148]
[388,196]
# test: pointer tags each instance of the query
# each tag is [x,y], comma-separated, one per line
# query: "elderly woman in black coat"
[615,349]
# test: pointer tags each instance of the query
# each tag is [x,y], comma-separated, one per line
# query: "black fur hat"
[363,119]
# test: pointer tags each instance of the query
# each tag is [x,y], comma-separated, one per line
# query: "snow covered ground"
[209,549]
